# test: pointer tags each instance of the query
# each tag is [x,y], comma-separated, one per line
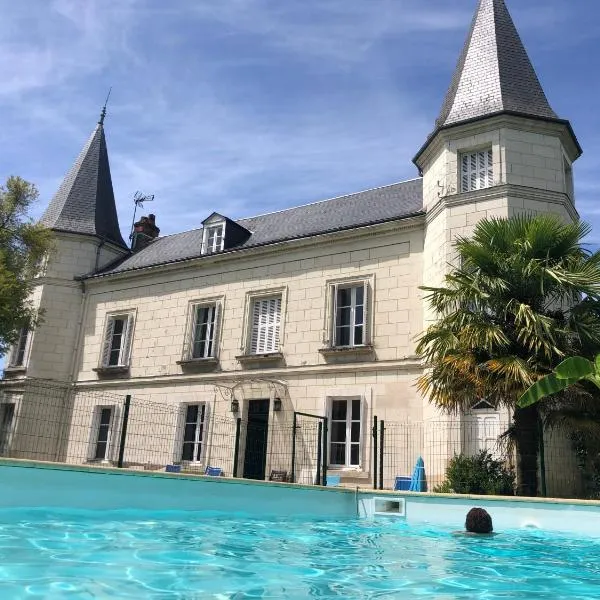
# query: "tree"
[526,296]
[23,245]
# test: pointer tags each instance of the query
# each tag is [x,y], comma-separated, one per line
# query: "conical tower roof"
[85,201]
[494,73]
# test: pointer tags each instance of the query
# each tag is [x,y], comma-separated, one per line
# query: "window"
[266,324]
[346,430]
[103,431]
[477,171]
[213,238]
[349,319]
[204,331]
[117,340]
[19,349]
[193,433]
[7,413]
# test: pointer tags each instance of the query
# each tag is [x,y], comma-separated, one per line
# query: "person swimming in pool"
[478,522]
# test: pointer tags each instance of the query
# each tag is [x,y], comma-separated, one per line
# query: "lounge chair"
[416,483]
[213,471]
[402,484]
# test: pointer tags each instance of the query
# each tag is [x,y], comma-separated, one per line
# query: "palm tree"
[526,296]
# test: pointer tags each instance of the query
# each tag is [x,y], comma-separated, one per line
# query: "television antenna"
[138,200]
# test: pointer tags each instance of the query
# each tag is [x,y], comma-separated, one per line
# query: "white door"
[481,432]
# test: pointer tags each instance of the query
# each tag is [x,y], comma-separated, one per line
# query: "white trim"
[126,338]
[475,169]
[251,297]
[201,426]
[212,330]
[348,443]
[218,242]
[112,433]
[330,331]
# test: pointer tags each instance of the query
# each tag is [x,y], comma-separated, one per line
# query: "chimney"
[144,231]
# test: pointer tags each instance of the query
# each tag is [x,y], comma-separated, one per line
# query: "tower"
[498,148]
[83,217]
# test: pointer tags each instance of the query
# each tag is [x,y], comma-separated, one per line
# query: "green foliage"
[569,372]
[479,474]
[525,297]
[23,245]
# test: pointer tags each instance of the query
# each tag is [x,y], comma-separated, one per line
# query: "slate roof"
[85,201]
[378,205]
[494,73]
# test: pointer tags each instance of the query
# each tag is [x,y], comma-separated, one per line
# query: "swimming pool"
[76,532]
[92,554]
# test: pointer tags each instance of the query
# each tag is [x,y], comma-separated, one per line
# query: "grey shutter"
[191,337]
[332,330]
[367,314]
[108,333]
[126,344]
[254,327]
[179,430]
[216,329]
[275,322]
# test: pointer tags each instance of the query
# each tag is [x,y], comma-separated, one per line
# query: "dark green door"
[257,432]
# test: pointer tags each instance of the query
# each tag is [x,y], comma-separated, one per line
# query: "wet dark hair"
[479,521]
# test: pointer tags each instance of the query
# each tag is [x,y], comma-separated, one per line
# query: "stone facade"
[531,166]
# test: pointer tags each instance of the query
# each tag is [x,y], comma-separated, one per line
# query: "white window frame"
[348,452]
[217,243]
[7,429]
[111,433]
[476,169]
[126,340]
[212,331]
[21,345]
[331,324]
[201,427]
[260,341]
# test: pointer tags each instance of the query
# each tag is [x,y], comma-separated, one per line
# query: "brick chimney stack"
[144,231]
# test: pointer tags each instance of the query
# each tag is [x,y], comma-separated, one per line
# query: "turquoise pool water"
[188,555]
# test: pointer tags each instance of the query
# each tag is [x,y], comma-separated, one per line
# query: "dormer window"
[214,238]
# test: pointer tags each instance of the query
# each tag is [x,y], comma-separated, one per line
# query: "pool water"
[188,555]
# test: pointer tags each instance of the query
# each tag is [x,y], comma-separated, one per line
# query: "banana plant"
[569,372]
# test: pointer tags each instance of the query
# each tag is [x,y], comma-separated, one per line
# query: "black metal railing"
[48,422]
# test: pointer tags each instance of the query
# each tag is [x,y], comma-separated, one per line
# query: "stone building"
[313,309]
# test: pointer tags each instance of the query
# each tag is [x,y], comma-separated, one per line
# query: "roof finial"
[103,112]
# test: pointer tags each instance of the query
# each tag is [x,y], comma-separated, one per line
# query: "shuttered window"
[477,171]
[350,317]
[204,331]
[117,340]
[266,324]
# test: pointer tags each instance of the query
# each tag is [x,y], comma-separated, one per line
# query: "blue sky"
[250,106]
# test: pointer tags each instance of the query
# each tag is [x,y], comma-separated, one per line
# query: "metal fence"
[47,422]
